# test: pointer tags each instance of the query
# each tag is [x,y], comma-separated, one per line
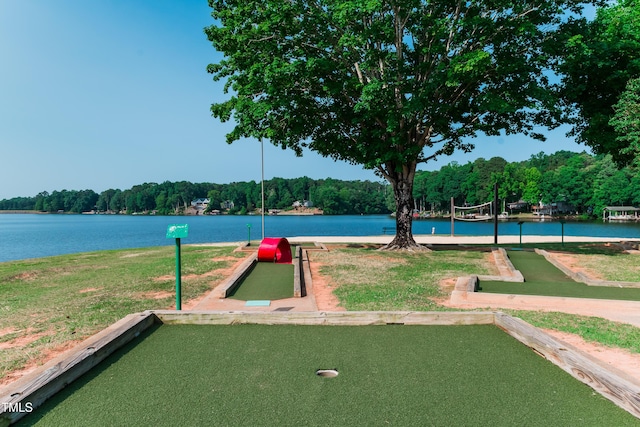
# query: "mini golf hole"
[327,373]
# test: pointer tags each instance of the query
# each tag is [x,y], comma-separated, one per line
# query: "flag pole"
[262,180]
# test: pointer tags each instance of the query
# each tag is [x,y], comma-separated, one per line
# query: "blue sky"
[114,93]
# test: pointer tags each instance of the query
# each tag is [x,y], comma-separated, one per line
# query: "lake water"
[25,236]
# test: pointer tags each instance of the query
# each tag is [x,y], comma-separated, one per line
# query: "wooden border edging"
[618,310]
[36,388]
[306,274]
[32,390]
[302,273]
[298,273]
[609,382]
[508,272]
[224,289]
[325,318]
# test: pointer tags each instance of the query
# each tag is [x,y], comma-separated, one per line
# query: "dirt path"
[617,358]
[322,291]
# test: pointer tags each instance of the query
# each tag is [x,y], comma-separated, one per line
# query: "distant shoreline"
[279,213]
[21,212]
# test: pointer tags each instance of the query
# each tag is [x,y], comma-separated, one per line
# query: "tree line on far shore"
[582,181]
[333,197]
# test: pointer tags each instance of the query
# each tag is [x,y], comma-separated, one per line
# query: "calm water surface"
[25,236]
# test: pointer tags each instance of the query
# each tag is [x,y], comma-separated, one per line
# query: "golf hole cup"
[327,373]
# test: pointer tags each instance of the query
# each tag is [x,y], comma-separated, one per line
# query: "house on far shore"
[200,204]
[520,206]
[620,213]
[555,208]
[542,209]
[305,204]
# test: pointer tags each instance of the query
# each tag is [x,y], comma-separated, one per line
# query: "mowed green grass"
[248,375]
[46,303]
[368,279]
[543,278]
[266,281]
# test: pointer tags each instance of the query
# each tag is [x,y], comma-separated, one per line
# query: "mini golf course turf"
[388,375]
[266,281]
[543,278]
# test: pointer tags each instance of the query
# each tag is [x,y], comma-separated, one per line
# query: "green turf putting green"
[248,375]
[266,281]
[536,267]
[543,278]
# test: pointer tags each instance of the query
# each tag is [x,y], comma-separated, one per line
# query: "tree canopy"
[626,121]
[385,84]
[599,61]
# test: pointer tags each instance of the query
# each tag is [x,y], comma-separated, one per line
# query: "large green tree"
[599,61]
[626,121]
[384,84]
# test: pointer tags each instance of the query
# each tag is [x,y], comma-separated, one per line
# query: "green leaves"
[600,59]
[386,85]
[360,79]
[626,121]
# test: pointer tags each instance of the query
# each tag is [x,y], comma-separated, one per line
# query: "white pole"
[262,161]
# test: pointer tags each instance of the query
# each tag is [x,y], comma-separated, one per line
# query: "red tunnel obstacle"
[275,249]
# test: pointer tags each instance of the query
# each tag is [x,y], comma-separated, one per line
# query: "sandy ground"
[323,292]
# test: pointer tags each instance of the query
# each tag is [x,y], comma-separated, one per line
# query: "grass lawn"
[543,278]
[369,280]
[47,302]
[619,267]
[388,375]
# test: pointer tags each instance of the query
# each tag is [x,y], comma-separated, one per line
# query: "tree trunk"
[402,183]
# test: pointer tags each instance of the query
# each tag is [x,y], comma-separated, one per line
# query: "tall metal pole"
[495,213]
[262,161]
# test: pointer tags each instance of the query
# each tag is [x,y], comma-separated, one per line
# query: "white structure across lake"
[620,213]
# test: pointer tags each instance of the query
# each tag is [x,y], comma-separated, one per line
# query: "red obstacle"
[275,249]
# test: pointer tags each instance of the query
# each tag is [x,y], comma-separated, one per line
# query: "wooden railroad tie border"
[50,378]
[55,375]
[227,286]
